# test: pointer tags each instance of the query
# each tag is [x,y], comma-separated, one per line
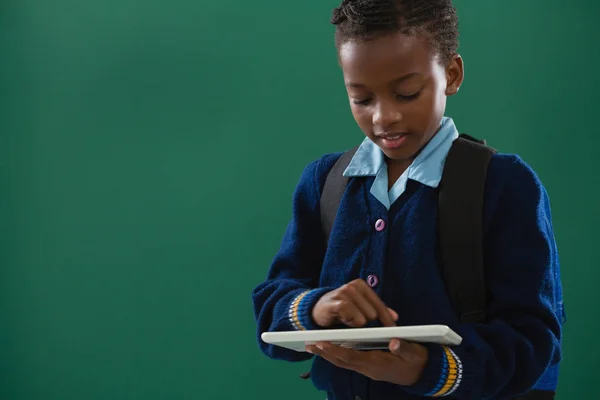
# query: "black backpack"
[460,226]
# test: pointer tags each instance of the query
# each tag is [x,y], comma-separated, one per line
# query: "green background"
[148,152]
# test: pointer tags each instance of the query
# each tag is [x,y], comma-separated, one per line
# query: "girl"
[380,267]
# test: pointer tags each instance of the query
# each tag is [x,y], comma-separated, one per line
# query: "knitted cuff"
[443,374]
[300,312]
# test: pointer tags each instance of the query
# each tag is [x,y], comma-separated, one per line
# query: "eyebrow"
[395,81]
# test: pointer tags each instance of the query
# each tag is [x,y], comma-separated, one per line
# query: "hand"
[353,304]
[403,366]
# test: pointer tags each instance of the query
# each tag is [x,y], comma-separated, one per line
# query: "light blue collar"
[427,168]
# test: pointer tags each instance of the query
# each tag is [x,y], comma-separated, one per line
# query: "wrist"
[301,309]
[420,364]
[315,314]
[441,374]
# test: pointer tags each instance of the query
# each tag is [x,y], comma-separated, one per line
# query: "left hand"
[403,366]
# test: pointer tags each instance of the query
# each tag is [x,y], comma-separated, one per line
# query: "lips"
[392,136]
[392,140]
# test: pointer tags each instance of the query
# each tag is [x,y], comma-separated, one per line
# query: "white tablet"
[364,338]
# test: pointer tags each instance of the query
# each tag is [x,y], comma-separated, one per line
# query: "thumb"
[405,350]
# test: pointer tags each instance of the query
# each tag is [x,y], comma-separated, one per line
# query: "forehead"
[384,57]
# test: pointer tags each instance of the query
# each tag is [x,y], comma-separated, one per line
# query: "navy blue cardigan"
[500,359]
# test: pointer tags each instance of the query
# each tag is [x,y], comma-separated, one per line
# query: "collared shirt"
[427,168]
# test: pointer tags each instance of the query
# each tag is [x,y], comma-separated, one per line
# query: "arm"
[285,299]
[506,356]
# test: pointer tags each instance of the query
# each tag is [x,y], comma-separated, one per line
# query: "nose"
[386,114]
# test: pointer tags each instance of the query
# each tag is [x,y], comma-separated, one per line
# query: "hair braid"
[367,19]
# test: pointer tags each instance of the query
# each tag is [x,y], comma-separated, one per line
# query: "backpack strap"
[461,198]
[331,196]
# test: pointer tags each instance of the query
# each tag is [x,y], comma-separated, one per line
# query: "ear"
[455,74]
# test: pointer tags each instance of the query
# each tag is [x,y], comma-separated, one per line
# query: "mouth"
[392,136]
[392,140]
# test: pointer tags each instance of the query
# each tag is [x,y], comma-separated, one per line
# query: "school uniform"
[389,238]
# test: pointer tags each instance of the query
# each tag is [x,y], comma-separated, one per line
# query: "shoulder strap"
[335,185]
[461,198]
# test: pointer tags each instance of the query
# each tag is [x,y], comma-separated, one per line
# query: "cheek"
[427,111]
[438,107]
[438,101]
[362,117]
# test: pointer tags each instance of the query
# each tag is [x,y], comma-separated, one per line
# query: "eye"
[409,97]
[361,102]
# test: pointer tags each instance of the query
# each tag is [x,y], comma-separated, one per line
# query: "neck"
[395,168]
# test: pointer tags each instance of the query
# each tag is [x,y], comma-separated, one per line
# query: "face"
[397,90]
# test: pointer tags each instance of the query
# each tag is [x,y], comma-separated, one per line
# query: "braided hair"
[369,19]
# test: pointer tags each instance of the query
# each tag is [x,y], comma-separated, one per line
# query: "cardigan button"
[372,280]
[379,225]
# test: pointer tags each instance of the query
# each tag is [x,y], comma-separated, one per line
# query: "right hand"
[353,304]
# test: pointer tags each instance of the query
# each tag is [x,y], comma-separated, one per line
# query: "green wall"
[148,151]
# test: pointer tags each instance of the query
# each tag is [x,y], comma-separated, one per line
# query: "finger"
[348,356]
[334,360]
[365,307]
[382,310]
[395,345]
[407,351]
[372,364]
[394,314]
[349,313]
[362,303]
[352,318]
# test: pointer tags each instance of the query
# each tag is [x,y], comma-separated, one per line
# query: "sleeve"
[284,301]
[506,356]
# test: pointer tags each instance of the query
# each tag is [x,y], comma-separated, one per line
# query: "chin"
[400,154]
